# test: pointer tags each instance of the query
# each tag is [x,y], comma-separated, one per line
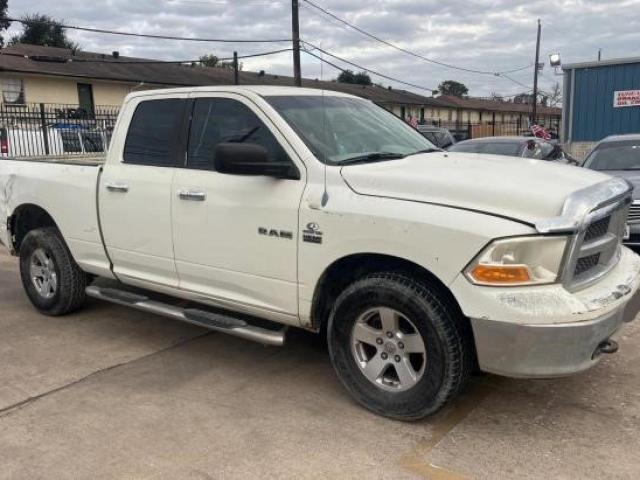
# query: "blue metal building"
[600,99]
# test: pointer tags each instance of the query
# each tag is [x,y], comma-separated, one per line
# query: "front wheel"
[53,281]
[400,348]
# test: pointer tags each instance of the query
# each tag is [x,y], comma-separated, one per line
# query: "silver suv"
[619,155]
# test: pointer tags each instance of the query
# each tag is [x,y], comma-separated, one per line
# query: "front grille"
[634,213]
[597,246]
[597,229]
[586,263]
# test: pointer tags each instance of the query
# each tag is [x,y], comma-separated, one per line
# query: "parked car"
[619,155]
[526,147]
[61,139]
[417,264]
[439,136]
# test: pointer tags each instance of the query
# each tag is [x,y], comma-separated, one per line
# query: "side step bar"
[212,321]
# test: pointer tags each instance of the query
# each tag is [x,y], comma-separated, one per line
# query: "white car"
[322,211]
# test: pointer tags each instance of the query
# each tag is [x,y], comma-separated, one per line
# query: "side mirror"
[250,159]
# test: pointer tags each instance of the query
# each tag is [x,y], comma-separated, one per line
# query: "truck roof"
[262,90]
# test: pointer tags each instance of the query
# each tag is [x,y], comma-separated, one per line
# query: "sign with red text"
[626,98]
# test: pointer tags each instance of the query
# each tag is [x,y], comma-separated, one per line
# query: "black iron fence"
[55,129]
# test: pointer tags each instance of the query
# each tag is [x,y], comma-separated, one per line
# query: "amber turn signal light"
[501,274]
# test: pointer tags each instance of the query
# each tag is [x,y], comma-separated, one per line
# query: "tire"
[435,374]
[50,276]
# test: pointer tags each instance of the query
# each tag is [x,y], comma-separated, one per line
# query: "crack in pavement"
[417,462]
[6,411]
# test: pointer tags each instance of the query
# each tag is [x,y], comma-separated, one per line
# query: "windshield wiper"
[618,169]
[426,150]
[371,157]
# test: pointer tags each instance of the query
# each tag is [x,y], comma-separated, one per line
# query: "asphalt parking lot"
[113,393]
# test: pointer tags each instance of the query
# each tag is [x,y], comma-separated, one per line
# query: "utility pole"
[236,79]
[599,54]
[295,30]
[535,78]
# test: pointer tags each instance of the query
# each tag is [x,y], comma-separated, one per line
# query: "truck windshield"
[615,156]
[343,130]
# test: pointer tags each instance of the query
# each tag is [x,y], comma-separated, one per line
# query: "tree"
[4,24]
[453,88]
[40,29]
[360,78]
[555,95]
[213,61]
[526,98]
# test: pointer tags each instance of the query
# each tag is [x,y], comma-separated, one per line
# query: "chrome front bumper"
[548,331]
[547,350]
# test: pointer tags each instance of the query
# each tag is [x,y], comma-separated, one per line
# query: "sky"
[488,35]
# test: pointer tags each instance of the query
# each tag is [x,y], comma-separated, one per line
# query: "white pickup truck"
[322,211]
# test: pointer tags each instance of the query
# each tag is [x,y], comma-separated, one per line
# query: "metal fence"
[54,129]
[467,130]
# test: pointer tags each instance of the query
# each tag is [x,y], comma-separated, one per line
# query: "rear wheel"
[53,281]
[401,348]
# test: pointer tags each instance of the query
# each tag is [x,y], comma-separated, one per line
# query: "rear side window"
[221,120]
[152,135]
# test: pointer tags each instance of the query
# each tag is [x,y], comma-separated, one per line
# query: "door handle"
[192,196]
[117,187]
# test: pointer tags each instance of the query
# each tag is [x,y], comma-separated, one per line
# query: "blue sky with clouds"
[493,35]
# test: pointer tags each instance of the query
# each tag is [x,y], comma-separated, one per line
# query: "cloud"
[490,35]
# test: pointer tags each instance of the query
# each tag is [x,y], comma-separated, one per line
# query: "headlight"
[518,261]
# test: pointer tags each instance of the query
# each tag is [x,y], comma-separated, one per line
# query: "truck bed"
[65,188]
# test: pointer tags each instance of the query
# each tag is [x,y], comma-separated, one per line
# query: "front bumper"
[548,331]
[553,350]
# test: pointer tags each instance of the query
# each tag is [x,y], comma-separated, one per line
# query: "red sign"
[626,98]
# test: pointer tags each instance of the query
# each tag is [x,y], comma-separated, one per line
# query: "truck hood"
[522,189]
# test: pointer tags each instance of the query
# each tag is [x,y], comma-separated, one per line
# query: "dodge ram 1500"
[267,206]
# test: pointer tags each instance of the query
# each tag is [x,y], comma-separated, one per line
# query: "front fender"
[440,239]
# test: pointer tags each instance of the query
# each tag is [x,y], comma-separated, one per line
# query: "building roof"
[495,106]
[601,63]
[37,59]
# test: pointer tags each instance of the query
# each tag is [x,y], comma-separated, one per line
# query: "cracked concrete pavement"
[114,393]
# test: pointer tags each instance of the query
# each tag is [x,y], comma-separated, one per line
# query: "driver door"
[220,220]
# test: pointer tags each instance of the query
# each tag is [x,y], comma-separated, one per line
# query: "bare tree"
[555,95]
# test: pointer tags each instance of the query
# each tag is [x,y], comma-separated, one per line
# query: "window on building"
[12,91]
[85,98]
[221,120]
[152,135]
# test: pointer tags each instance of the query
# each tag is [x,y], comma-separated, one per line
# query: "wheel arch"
[24,219]
[345,270]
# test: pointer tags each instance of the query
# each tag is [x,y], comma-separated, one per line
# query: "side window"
[152,133]
[221,120]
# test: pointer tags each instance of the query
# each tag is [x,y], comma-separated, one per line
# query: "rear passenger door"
[235,236]
[135,192]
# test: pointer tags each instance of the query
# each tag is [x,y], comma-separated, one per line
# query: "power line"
[147,35]
[409,52]
[373,72]
[515,81]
